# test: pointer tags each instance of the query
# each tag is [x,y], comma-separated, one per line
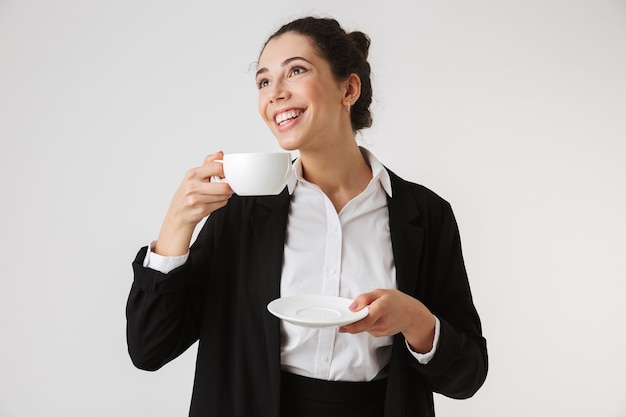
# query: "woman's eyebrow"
[284,63]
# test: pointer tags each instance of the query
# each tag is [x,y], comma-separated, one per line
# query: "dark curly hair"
[345,52]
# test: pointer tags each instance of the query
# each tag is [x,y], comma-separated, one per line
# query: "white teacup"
[257,173]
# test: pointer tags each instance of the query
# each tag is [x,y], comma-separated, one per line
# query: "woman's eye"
[262,83]
[298,70]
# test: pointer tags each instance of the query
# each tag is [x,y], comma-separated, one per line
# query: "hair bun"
[361,41]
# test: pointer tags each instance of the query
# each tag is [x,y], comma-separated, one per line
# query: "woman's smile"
[285,119]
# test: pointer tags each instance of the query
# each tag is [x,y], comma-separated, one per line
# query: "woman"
[345,226]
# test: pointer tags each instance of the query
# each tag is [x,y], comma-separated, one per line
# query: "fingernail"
[353,306]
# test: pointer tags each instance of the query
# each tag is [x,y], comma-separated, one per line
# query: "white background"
[514,111]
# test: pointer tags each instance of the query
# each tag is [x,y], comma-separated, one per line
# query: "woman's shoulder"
[422,194]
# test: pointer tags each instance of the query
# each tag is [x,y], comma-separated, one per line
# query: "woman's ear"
[352,90]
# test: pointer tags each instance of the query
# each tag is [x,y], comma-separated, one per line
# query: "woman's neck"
[341,172]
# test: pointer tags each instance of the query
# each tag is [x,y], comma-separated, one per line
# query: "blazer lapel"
[407,237]
[269,222]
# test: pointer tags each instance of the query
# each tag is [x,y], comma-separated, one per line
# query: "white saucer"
[315,310]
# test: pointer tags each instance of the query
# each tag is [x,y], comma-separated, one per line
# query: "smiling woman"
[300,98]
[344,227]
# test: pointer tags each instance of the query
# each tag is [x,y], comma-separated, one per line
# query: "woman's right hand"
[196,198]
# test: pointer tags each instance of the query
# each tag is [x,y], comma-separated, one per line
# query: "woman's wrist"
[421,333]
[174,238]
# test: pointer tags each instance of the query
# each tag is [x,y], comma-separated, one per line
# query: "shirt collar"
[379,172]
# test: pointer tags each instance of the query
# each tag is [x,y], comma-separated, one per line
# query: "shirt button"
[324,358]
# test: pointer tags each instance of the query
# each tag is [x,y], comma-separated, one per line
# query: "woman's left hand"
[392,312]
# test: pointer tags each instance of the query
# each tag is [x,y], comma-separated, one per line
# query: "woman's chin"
[288,143]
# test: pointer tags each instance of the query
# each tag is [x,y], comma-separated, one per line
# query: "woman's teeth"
[288,115]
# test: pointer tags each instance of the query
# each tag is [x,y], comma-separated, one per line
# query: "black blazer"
[219,297]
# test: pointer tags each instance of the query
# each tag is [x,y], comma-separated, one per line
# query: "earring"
[350,100]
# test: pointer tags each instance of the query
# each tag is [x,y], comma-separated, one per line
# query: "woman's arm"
[164,309]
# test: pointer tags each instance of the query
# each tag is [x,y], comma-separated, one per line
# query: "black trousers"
[309,397]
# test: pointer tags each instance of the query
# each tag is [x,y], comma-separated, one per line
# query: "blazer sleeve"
[459,367]
[164,311]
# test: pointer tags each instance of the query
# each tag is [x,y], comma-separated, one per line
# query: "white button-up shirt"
[340,254]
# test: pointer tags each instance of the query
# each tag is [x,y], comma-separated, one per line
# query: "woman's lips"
[284,119]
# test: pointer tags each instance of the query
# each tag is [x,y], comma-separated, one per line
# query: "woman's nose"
[278,92]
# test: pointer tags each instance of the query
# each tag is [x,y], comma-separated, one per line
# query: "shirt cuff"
[163,264]
[424,358]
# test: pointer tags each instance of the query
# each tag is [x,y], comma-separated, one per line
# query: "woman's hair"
[345,52]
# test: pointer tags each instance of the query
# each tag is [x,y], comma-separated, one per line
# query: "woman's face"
[299,98]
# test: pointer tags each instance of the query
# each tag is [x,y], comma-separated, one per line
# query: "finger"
[216,161]
[364,300]
[363,325]
[209,192]
[208,169]
[204,172]
[202,202]
[213,157]
[366,324]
